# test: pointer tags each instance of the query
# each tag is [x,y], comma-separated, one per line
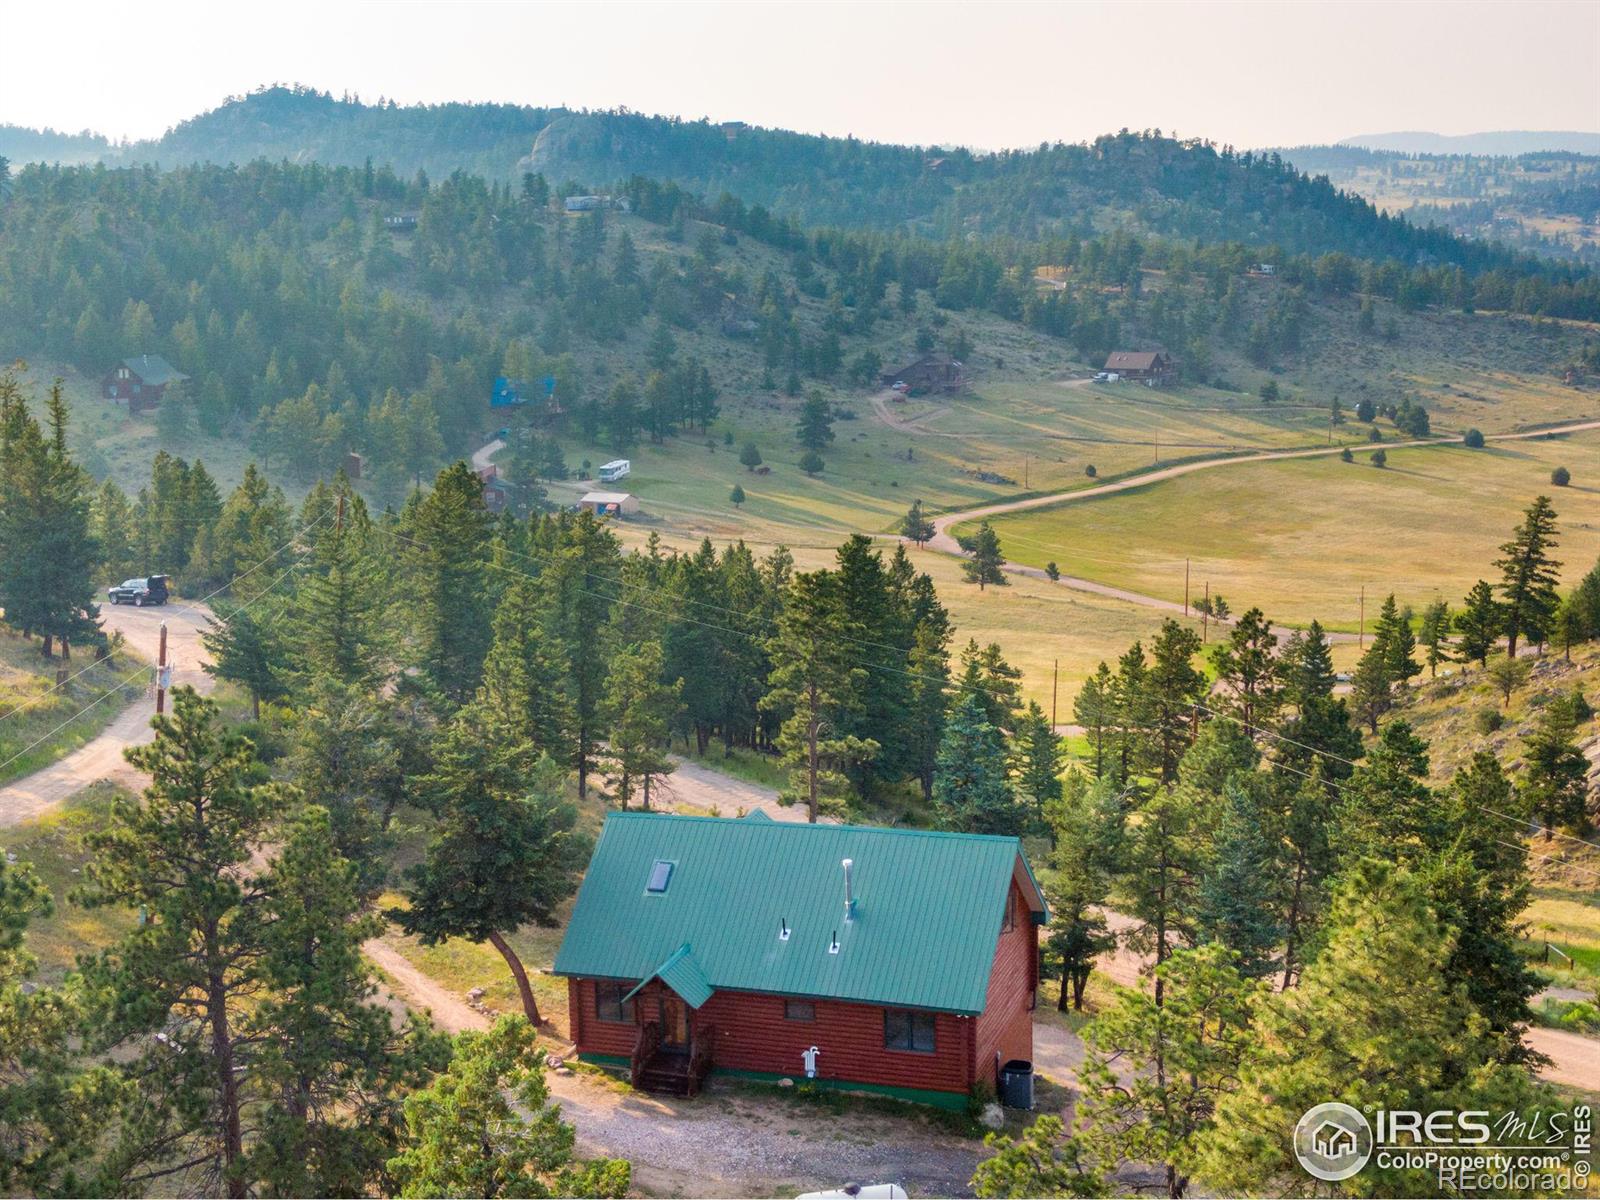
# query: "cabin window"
[1009,921]
[660,877]
[609,1004]
[799,1010]
[904,1029]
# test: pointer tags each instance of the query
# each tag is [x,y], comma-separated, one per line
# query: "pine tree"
[916,527]
[640,710]
[813,681]
[1377,994]
[1095,710]
[815,429]
[1038,766]
[246,650]
[1528,577]
[445,544]
[983,565]
[1479,623]
[1555,772]
[504,853]
[181,853]
[749,456]
[486,1127]
[971,791]
[339,604]
[1043,1161]
[578,612]
[1179,1051]
[1436,623]
[524,682]
[1239,904]
[1308,673]
[1249,670]
[1174,689]
[1086,830]
[333,1070]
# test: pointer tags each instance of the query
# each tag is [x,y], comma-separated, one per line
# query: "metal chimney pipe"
[849,899]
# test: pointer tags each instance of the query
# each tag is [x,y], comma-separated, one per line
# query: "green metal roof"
[928,909]
[683,975]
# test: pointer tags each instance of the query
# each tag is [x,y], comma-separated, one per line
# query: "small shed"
[610,504]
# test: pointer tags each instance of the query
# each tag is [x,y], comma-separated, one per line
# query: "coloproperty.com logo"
[1467,1150]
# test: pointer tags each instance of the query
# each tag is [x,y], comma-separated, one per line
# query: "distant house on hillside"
[404,222]
[582,204]
[897,961]
[1145,366]
[140,382]
[933,373]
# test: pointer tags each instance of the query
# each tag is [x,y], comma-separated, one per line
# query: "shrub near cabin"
[731,944]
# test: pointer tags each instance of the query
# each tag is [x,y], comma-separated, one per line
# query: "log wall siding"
[1005,1027]
[752,1033]
[589,1032]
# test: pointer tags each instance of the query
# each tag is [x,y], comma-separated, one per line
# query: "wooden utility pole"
[338,521]
[1186,587]
[1205,616]
[1055,675]
[1024,472]
[162,673]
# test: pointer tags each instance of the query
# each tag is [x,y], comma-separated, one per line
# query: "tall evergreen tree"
[1528,577]
[986,562]
[505,852]
[813,681]
[1249,670]
[971,790]
[639,710]
[446,542]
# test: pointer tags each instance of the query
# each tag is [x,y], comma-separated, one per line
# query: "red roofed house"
[897,961]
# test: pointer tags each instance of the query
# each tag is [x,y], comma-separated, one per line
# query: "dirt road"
[945,541]
[723,1143]
[102,758]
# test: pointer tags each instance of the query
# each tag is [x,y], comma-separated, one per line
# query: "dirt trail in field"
[943,540]
[101,758]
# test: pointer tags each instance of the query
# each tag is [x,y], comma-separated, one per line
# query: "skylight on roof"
[660,876]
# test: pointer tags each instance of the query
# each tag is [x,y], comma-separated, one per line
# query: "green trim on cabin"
[949,1101]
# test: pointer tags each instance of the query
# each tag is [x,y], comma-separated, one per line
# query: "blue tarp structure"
[508,393]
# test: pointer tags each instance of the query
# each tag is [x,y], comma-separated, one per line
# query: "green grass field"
[1301,538]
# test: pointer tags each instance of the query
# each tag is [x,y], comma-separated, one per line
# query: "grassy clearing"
[1301,538]
[38,724]
[53,844]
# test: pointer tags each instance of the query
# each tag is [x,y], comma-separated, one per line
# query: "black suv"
[139,592]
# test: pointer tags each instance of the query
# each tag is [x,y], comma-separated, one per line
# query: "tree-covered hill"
[1144,182]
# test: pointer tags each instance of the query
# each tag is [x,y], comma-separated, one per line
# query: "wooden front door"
[674,1024]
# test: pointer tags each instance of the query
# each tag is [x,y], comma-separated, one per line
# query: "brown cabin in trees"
[897,961]
[1145,366]
[140,382]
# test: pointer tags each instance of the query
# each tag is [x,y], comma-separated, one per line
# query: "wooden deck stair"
[671,1072]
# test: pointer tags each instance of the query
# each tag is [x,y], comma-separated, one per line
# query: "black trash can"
[1016,1084]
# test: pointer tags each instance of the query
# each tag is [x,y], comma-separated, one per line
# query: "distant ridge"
[1510,141]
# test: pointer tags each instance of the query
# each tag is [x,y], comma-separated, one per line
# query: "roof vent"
[660,877]
[833,946]
[849,900]
[783,930]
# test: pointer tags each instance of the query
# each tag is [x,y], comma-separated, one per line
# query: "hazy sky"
[982,74]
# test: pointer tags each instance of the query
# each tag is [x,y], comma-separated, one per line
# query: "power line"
[115,688]
[190,607]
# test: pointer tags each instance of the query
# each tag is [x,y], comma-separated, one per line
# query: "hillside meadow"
[1301,538]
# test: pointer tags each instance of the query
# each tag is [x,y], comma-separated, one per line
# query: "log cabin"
[903,962]
[140,382]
